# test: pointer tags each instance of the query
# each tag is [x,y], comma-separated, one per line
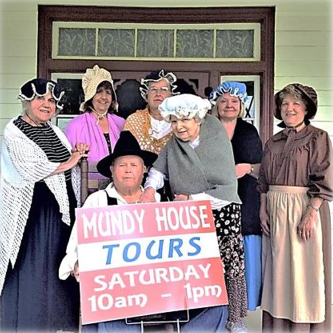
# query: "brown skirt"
[293,270]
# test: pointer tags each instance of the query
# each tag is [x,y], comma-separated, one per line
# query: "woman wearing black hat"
[296,183]
[38,194]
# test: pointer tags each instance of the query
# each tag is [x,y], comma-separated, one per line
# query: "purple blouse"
[84,129]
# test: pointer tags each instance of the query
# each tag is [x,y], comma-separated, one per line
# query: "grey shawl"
[209,168]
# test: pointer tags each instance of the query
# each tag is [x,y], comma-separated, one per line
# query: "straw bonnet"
[306,92]
[184,106]
[91,80]
[126,145]
[40,87]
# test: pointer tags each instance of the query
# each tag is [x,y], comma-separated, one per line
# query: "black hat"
[40,87]
[126,145]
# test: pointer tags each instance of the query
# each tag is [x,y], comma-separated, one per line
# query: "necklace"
[100,115]
[38,125]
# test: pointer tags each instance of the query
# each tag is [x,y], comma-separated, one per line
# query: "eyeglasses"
[161,91]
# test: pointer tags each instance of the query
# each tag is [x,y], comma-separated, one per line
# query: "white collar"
[159,128]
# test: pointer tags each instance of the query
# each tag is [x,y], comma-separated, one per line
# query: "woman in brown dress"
[296,183]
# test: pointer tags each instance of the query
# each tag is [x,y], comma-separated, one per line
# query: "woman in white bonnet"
[199,163]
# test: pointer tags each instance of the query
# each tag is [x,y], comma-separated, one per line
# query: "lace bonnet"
[157,76]
[184,106]
[91,80]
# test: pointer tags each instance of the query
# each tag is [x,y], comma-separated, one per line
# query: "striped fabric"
[47,140]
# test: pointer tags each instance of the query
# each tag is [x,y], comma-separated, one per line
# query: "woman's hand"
[76,273]
[181,197]
[82,148]
[305,228]
[72,161]
[263,215]
[264,222]
[148,195]
[243,169]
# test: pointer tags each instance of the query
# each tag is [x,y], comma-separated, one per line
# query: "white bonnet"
[184,106]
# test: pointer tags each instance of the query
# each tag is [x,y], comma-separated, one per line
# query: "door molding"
[47,14]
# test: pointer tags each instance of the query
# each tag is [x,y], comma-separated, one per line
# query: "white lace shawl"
[23,163]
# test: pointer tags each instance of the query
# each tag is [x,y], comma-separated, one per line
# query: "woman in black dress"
[230,100]
[38,194]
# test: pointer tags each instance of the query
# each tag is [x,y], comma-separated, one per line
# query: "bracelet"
[251,169]
[313,207]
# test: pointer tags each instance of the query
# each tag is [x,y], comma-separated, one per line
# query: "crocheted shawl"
[23,163]
[139,124]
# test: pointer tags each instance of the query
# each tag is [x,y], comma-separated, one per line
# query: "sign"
[148,258]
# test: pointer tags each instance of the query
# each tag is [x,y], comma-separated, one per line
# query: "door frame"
[47,14]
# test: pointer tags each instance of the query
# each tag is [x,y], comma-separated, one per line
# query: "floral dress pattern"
[230,241]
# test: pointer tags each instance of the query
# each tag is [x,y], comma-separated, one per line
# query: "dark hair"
[104,85]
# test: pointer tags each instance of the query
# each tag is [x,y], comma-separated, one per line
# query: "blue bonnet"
[237,89]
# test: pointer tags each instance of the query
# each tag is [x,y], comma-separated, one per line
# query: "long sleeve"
[307,162]
[321,167]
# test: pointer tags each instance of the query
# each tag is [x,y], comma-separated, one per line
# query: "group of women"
[270,206]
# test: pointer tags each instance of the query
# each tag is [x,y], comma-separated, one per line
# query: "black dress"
[34,298]
[247,148]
